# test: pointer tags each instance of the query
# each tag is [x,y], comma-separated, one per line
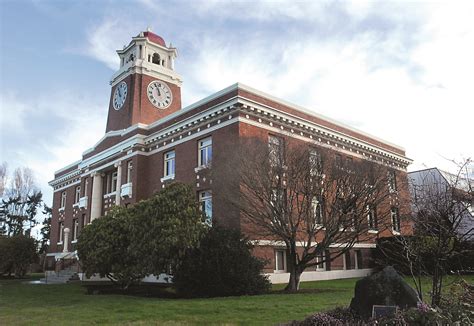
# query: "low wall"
[276,278]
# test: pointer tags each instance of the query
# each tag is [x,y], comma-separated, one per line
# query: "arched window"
[156,58]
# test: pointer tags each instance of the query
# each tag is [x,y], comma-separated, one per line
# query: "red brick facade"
[227,117]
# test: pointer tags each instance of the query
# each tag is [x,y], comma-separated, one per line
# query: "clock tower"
[145,88]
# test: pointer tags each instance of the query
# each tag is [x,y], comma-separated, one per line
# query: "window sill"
[75,205]
[166,178]
[61,209]
[60,243]
[74,241]
[202,167]
[374,231]
[396,232]
[110,194]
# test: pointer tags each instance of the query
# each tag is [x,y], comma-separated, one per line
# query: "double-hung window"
[113,185]
[395,215]
[275,151]
[77,194]
[205,151]
[205,201]
[372,217]
[61,232]
[392,181]
[169,168]
[280,261]
[63,199]
[75,229]
[129,171]
[314,163]
[317,210]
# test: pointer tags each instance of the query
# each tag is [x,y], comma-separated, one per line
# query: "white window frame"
[277,261]
[321,264]
[314,163]
[372,218]
[392,181]
[275,150]
[61,232]
[205,203]
[86,186]
[169,160]
[317,208]
[205,152]
[75,229]
[113,182]
[129,171]
[395,214]
[357,253]
[77,194]
[63,199]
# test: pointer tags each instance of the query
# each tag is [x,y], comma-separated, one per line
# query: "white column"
[66,239]
[118,189]
[96,198]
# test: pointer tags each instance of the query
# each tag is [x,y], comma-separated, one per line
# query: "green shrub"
[221,266]
[144,239]
[16,254]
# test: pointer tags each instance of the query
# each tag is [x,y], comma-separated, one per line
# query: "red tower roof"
[154,38]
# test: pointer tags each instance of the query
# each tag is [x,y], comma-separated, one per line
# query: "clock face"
[159,94]
[120,95]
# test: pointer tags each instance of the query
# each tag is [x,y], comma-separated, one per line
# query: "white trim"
[279,243]
[209,112]
[373,231]
[67,167]
[110,194]
[130,142]
[193,136]
[66,185]
[324,144]
[279,278]
[168,177]
[74,241]
[114,133]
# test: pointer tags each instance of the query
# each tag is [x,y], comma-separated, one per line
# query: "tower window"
[156,59]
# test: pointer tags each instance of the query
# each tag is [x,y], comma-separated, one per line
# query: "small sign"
[383,311]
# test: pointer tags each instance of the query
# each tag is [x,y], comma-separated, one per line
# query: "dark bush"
[16,254]
[221,266]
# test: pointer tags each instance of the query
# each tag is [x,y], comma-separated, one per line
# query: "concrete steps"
[64,276]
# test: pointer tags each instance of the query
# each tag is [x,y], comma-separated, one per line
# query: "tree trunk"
[294,283]
[294,269]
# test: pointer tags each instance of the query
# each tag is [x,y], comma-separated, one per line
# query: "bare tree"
[442,212]
[19,203]
[443,228]
[3,178]
[306,198]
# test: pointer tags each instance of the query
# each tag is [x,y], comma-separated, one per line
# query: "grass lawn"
[27,304]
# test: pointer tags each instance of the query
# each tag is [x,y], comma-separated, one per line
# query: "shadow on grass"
[166,291]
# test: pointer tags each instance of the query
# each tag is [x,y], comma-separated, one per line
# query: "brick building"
[151,140]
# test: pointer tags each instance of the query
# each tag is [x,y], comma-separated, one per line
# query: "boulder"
[386,288]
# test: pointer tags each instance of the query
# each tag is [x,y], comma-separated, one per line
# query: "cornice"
[246,111]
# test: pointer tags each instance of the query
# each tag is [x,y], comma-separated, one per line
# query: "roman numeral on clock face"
[159,94]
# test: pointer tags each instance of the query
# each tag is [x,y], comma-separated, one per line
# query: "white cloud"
[398,70]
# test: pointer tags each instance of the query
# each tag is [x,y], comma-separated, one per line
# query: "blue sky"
[399,70]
